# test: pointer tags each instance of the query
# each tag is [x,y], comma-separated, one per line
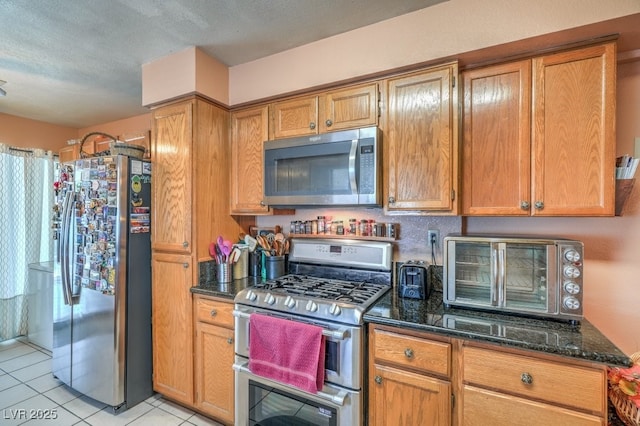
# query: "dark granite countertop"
[224,290]
[582,341]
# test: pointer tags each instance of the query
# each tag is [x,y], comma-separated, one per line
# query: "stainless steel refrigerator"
[102,279]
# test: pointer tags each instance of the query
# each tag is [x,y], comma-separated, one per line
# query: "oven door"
[344,346]
[264,402]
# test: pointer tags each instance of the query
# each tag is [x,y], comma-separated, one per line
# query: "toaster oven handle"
[334,334]
[352,166]
[501,277]
[496,278]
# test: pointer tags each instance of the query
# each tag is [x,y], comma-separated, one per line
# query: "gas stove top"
[348,292]
[316,289]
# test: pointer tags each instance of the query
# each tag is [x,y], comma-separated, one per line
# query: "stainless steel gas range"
[331,283]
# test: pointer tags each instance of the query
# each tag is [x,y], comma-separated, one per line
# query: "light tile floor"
[28,390]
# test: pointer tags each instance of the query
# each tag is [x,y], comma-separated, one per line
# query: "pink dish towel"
[287,351]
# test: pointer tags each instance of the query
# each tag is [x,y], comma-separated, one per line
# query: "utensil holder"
[274,266]
[255,263]
[224,272]
[241,267]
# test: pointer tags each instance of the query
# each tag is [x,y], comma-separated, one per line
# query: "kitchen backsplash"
[411,242]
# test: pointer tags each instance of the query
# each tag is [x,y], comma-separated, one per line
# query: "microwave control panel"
[571,278]
[367,167]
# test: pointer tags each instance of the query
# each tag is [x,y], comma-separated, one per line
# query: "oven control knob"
[572,255]
[311,306]
[290,302]
[252,296]
[571,272]
[269,299]
[571,303]
[335,310]
[571,287]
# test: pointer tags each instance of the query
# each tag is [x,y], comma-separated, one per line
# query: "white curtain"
[26,201]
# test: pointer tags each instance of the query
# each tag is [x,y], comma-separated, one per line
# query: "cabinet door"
[420,141]
[172,326]
[483,407]
[249,130]
[496,154]
[171,189]
[349,108]
[214,372]
[574,132]
[398,397]
[295,117]
[69,153]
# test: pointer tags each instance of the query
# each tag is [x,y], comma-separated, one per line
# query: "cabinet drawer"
[214,312]
[483,407]
[568,385]
[420,354]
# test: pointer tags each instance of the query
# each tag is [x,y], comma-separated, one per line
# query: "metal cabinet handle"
[312,125]
[526,378]
[408,353]
[378,379]
[214,312]
[539,205]
[392,200]
[262,203]
[185,244]
[524,205]
[230,340]
[329,123]
[185,265]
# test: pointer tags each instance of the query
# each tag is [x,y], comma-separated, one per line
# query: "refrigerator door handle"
[64,258]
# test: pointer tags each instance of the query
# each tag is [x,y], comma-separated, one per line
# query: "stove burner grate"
[322,288]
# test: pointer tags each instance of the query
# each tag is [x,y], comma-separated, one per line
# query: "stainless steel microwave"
[531,276]
[337,168]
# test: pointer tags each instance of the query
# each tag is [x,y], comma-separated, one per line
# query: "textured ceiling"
[78,63]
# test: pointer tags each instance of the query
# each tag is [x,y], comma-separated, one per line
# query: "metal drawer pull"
[378,379]
[408,353]
[334,334]
[229,340]
[526,378]
[214,312]
[337,398]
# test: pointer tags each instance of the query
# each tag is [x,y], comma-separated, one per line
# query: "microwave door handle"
[352,166]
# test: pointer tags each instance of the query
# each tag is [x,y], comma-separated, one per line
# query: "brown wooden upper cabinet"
[338,109]
[249,130]
[420,142]
[539,136]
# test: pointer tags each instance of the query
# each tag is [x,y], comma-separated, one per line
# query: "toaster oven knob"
[571,303]
[290,302]
[269,299]
[571,287]
[571,272]
[312,306]
[335,310]
[572,255]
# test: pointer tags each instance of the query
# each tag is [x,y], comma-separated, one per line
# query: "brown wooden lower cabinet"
[419,378]
[213,358]
[483,407]
[406,398]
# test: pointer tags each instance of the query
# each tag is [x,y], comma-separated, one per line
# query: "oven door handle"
[337,398]
[333,334]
